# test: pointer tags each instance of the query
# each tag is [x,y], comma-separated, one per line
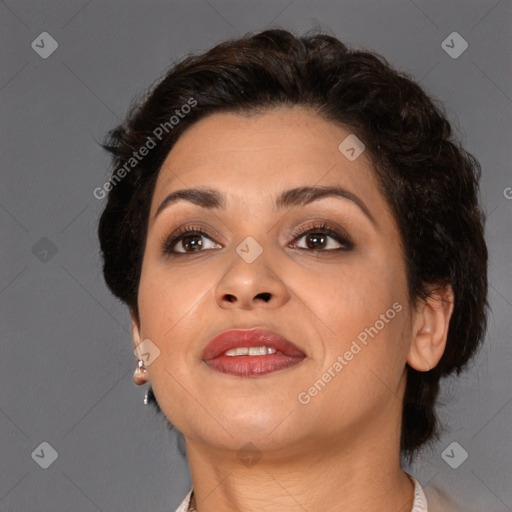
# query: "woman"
[300,245]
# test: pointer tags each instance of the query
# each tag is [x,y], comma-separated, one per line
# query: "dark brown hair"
[429,181]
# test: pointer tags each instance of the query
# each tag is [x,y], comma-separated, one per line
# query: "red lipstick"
[249,353]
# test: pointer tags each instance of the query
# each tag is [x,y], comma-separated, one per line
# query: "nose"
[251,285]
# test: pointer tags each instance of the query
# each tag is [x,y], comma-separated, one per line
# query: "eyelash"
[317,228]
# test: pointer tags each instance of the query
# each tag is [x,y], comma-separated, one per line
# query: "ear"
[136,331]
[430,328]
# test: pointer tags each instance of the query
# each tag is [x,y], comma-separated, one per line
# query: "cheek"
[366,311]
[353,296]
[166,305]
[167,296]
[361,368]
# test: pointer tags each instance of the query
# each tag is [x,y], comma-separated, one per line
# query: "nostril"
[265,296]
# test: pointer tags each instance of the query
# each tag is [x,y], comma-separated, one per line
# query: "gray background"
[66,360]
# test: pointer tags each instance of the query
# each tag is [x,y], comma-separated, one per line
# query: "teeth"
[250,351]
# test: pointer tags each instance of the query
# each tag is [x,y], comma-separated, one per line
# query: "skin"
[340,451]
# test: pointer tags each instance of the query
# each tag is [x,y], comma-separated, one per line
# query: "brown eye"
[191,242]
[188,240]
[317,239]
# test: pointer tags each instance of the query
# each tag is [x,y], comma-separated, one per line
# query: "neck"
[328,474]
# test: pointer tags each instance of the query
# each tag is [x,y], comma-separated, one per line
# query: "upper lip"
[236,338]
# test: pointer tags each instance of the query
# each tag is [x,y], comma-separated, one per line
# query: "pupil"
[315,236]
[190,244]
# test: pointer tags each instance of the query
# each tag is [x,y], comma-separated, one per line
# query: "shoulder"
[432,499]
[439,501]
[185,504]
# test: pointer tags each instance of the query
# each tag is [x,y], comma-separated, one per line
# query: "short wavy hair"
[429,181]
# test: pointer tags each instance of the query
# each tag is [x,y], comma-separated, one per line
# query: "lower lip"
[252,366]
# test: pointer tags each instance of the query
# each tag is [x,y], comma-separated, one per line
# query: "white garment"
[419,505]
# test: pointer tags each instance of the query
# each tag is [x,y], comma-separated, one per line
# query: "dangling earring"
[146,399]
[140,376]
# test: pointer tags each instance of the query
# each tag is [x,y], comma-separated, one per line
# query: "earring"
[146,399]
[140,376]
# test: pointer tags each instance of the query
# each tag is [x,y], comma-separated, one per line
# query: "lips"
[284,354]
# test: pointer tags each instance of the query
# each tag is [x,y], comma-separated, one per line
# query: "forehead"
[258,155]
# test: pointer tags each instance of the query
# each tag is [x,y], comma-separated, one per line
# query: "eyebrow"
[213,200]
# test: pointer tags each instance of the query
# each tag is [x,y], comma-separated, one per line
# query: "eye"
[188,239]
[316,238]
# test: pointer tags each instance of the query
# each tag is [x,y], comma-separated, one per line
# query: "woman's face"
[342,303]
